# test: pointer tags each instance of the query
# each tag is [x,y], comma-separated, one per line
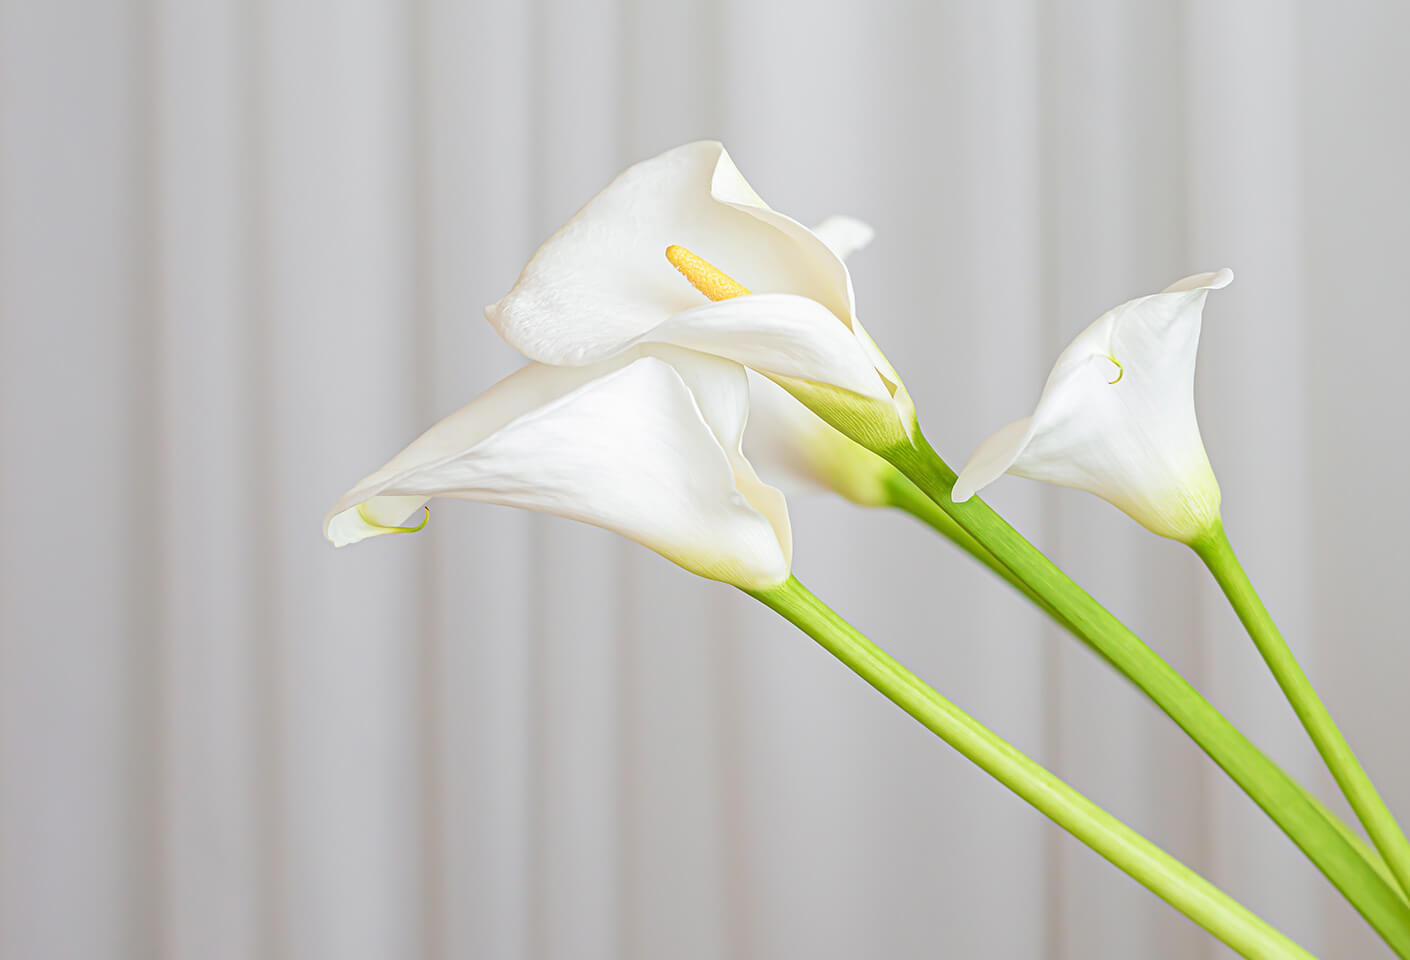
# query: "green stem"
[1278,795]
[1151,866]
[904,495]
[1363,849]
[1218,555]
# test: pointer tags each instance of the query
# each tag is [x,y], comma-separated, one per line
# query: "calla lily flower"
[768,293]
[647,444]
[1117,417]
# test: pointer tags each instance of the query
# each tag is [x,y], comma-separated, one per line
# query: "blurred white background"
[244,246]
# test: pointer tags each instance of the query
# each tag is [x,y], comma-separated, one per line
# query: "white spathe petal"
[843,235]
[1117,417]
[512,397]
[780,334]
[720,387]
[1215,280]
[603,280]
[768,500]
[721,391]
[800,454]
[809,268]
[628,450]
[992,459]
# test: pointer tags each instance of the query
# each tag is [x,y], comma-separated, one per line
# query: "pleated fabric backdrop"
[244,246]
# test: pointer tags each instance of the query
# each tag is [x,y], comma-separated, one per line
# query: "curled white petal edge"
[754,552]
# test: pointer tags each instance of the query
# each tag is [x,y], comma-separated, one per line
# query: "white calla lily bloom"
[647,444]
[1117,417]
[782,298]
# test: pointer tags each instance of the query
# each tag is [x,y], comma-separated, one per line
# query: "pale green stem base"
[1218,555]
[1306,822]
[1151,866]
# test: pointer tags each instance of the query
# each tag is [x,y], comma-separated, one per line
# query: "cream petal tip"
[1215,280]
[348,527]
[727,184]
[992,459]
[962,490]
[373,517]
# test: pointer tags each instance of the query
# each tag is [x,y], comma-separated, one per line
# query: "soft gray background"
[243,252]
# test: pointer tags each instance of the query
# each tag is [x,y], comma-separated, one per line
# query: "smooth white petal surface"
[602,281]
[779,334]
[1117,416]
[629,450]
[721,391]
[361,513]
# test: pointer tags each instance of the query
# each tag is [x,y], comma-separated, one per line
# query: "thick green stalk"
[1218,555]
[1279,796]
[905,495]
[1151,866]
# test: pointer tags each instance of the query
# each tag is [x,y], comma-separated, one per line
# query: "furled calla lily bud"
[1117,417]
[646,444]
[768,293]
[800,454]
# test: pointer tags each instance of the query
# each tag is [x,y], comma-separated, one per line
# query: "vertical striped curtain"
[244,246]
